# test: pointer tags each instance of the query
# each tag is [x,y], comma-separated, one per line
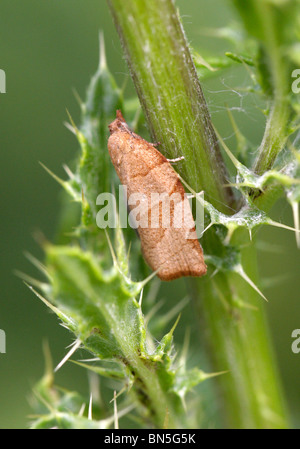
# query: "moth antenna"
[120,116]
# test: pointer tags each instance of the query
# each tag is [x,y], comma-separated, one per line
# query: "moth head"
[118,124]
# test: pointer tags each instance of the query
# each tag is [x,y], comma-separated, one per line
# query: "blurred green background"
[47,49]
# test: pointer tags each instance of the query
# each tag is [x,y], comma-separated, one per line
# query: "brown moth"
[165,232]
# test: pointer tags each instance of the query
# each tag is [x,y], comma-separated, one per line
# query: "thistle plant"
[96,280]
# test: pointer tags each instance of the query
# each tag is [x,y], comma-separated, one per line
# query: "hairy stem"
[262,14]
[170,94]
[239,342]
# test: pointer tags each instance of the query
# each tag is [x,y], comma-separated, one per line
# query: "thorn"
[94,359]
[198,196]
[81,411]
[94,385]
[214,273]
[201,61]
[129,249]
[241,140]
[121,413]
[135,120]
[43,401]
[141,297]
[77,97]
[30,280]
[153,310]
[117,266]
[41,267]
[239,270]
[48,304]
[73,123]
[281,225]
[114,258]
[40,238]
[48,360]
[175,324]
[54,176]
[233,159]
[210,375]
[102,56]
[90,414]
[230,230]
[51,173]
[116,421]
[207,227]
[68,171]
[295,209]
[119,394]
[152,275]
[176,309]
[75,346]
[70,128]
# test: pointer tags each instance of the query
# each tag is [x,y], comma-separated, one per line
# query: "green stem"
[239,342]
[163,408]
[262,14]
[274,137]
[170,94]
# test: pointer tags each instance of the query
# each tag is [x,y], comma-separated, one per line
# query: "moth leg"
[192,195]
[177,159]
